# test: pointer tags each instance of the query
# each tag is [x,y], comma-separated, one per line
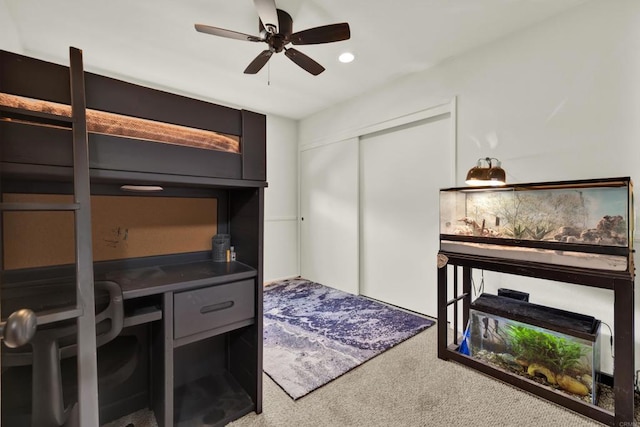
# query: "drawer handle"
[216,307]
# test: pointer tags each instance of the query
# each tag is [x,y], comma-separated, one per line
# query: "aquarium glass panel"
[552,359]
[590,216]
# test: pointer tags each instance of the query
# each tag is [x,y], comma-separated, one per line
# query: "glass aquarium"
[580,223]
[564,356]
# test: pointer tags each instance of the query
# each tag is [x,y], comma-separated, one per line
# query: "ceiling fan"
[276,29]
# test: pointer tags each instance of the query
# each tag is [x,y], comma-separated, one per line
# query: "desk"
[204,358]
[197,322]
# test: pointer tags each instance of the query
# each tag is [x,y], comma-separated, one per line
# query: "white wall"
[281,200]
[9,38]
[559,100]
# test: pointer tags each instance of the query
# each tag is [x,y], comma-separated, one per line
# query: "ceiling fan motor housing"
[277,41]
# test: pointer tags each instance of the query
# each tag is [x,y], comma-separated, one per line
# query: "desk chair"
[54,342]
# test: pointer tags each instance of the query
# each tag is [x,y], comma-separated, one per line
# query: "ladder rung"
[51,316]
[39,206]
[45,317]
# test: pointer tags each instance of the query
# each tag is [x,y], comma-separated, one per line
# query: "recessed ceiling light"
[346,57]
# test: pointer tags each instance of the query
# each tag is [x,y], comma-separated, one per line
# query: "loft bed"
[210,160]
[130,127]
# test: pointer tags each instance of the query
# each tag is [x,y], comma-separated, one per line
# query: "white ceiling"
[153,42]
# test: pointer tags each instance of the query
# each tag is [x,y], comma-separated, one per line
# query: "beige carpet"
[143,418]
[406,386]
[409,386]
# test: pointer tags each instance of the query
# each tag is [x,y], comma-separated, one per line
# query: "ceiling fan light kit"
[276,29]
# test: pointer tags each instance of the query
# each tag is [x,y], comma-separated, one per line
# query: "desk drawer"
[210,308]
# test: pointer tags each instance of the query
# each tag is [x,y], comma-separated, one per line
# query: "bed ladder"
[84,310]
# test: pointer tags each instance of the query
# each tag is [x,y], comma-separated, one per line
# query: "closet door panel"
[329,215]
[401,171]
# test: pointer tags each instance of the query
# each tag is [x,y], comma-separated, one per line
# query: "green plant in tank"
[557,353]
[539,232]
[517,232]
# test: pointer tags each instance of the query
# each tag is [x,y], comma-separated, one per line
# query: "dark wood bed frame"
[187,352]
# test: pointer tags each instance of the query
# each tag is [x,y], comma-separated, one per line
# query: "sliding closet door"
[329,215]
[401,171]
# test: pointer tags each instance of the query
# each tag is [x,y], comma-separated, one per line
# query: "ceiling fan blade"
[323,34]
[304,61]
[268,14]
[226,33]
[259,62]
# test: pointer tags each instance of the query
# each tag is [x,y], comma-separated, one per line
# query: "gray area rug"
[313,333]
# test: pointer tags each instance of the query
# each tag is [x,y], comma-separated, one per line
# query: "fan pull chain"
[269,73]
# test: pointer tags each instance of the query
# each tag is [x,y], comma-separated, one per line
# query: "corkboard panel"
[34,239]
[122,227]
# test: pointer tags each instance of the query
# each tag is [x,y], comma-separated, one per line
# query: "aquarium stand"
[454,304]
